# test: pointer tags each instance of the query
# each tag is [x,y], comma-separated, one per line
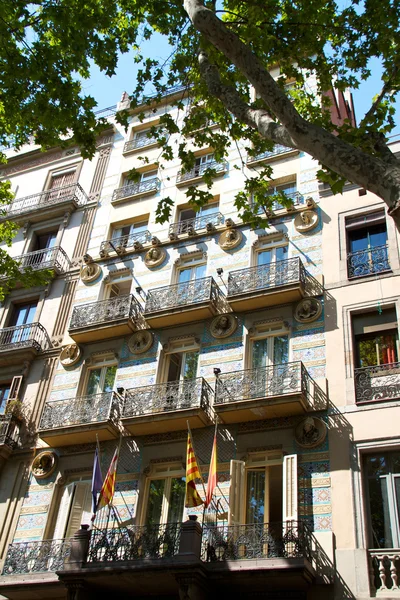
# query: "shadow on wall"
[327,574]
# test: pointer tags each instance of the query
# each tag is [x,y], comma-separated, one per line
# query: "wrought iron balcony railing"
[368,262]
[48,198]
[190,226]
[381,382]
[282,272]
[168,397]
[9,431]
[36,557]
[291,539]
[23,336]
[140,142]
[119,244]
[296,198]
[276,151]
[136,189]
[199,170]
[105,311]
[134,543]
[264,382]
[183,294]
[81,411]
[384,571]
[48,258]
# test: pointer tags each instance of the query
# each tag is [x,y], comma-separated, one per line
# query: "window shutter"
[236,492]
[81,508]
[63,512]
[290,501]
[15,388]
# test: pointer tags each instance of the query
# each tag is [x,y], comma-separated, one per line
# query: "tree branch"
[256,118]
[386,89]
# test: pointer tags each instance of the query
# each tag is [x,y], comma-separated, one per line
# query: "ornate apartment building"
[287,336]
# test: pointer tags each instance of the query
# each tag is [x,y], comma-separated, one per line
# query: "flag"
[97,480]
[212,475]
[108,487]
[192,472]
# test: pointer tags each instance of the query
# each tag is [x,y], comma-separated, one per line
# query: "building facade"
[286,337]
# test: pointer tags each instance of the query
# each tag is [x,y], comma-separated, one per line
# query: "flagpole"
[194,450]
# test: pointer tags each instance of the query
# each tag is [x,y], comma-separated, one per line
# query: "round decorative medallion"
[90,272]
[154,257]
[70,355]
[223,326]
[306,220]
[230,238]
[307,310]
[44,464]
[310,432]
[140,341]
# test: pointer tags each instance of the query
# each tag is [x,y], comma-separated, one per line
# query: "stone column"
[79,549]
[190,542]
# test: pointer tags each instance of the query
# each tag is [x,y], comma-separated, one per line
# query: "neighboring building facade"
[287,336]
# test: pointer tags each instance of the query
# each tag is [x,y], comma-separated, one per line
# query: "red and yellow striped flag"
[192,473]
[212,475]
[108,488]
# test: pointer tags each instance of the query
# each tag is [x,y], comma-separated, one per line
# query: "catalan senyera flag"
[212,475]
[192,473]
[108,488]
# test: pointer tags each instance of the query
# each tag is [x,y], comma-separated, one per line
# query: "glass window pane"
[376,465]
[109,378]
[93,382]
[200,271]
[176,500]
[184,275]
[282,252]
[379,513]
[281,349]
[190,366]
[264,258]
[155,500]
[209,209]
[255,497]
[367,356]
[260,353]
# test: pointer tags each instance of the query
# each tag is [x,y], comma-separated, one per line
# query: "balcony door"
[269,355]
[23,314]
[191,280]
[75,508]
[274,271]
[181,375]
[367,245]
[202,163]
[60,185]
[165,500]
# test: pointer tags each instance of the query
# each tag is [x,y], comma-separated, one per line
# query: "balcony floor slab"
[262,298]
[181,315]
[162,422]
[103,331]
[79,434]
[262,408]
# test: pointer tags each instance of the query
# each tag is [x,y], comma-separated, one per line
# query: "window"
[376,338]
[165,496]
[181,360]
[75,508]
[4,394]
[269,353]
[203,162]
[144,138]
[189,219]
[367,245]
[147,177]
[22,316]
[126,235]
[290,190]
[382,479]
[191,269]
[273,266]
[101,380]
[60,182]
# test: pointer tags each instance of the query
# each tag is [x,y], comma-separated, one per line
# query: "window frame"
[181,346]
[167,471]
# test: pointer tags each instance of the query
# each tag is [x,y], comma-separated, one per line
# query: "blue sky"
[108,90]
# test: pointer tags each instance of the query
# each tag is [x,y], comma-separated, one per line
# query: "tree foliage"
[223,54]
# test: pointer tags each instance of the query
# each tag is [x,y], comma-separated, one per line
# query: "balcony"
[276,153]
[140,142]
[122,244]
[384,572]
[54,259]
[168,406]
[9,436]
[275,391]
[194,300]
[296,198]
[377,384]
[36,557]
[196,174]
[80,420]
[370,261]
[47,204]
[268,285]
[193,226]
[136,190]
[134,543]
[114,317]
[22,342]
